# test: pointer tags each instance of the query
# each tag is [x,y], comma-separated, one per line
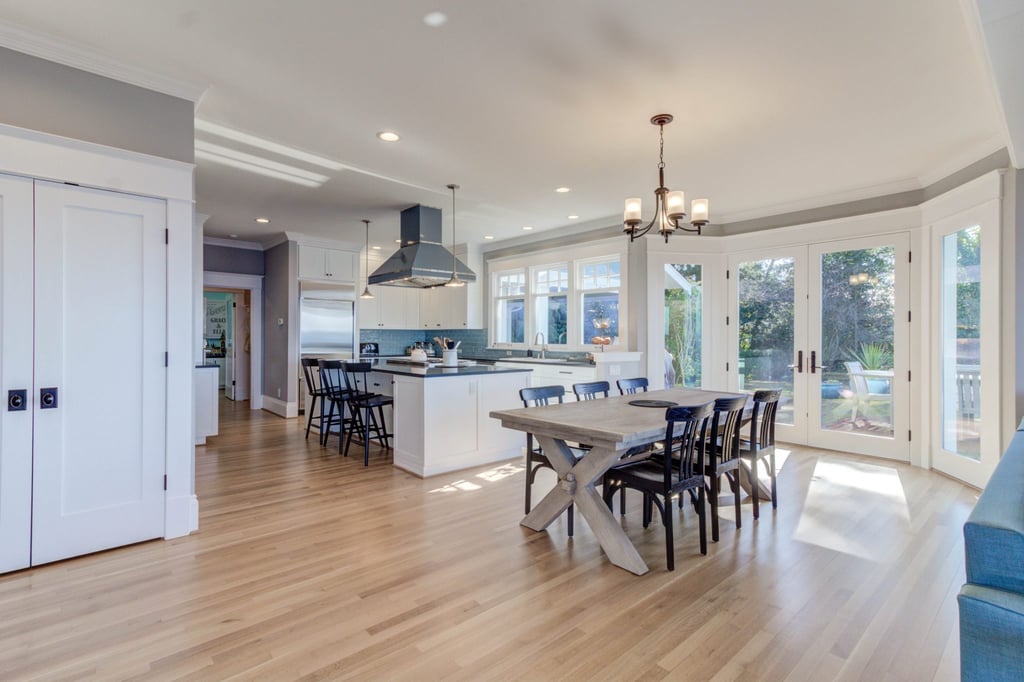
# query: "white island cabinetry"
[442,422]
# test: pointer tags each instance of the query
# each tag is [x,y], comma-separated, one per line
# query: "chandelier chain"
[661,152]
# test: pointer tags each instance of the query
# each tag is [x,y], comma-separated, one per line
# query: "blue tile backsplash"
[474,342]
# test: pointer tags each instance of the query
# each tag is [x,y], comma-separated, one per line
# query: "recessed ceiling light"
[562,190]
[233,236]
[488,236]
[527,227]
[388,136]
[375,248]
[435,19]
[398,241]
[573,217]
[263,221]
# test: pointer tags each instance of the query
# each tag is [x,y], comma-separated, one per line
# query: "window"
[564,304]
[510,307]
[599,305]
[551,303]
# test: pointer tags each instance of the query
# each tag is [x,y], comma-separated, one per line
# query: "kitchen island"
[441,420]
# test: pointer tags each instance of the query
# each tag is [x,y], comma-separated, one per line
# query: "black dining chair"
[311,373]
[366,408]
[680,470]
[630,386]
[722,454]
[591,390]
[332,386]
[761,443]
[536,460]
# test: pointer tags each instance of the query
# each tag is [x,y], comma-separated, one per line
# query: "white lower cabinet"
[557,375]
[82,370]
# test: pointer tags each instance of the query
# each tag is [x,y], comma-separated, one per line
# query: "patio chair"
[862,392]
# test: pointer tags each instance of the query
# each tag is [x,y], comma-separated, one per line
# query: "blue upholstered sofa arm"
[992,601]
[991,635]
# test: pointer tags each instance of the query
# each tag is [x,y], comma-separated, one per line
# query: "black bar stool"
[366,408]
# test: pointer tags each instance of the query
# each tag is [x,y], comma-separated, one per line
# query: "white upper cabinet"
[454,307]
[390,307]
[316,262]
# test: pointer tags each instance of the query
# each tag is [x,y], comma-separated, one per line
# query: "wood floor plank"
[308,565]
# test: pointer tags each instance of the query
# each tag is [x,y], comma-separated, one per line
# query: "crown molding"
[870,192]
[954,164]
[79,57]
[233,243]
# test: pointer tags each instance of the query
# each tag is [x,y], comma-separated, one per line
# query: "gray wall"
[227,259]
[279,352]
[53,98]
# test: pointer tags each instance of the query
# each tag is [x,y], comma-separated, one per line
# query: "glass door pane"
[858,299]
[960,341]
[858,308]
[683,306]
[766,295]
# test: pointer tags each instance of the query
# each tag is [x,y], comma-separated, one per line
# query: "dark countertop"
[428,373]
[208,366]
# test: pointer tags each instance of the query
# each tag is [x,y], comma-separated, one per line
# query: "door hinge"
[909,434]
[727,367]
[908,316]
[167,357]
[234,305]
[908,375]
[726,320]
[727,274]
[165,481]
[910,256]
[167,236]
[232,382]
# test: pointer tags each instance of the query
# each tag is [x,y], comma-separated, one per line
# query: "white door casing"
[15,371]
[100,340]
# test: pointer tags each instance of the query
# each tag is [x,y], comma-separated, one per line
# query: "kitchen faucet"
[543,343]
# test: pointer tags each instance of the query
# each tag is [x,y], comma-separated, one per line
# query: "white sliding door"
[100,331]
[15,372]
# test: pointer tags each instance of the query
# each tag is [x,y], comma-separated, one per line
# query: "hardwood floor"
[310,566]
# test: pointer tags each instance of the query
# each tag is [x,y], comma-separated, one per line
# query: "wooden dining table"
[611,426]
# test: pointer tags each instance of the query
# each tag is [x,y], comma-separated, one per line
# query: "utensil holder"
[450,358]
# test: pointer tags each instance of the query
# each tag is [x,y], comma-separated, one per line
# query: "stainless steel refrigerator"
[326,321]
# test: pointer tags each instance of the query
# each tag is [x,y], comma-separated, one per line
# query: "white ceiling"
[779,105]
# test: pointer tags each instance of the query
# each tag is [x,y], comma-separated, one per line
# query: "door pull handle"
[799,366]
[17,400]
[47,398]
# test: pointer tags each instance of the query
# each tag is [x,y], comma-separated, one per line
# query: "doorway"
[828,324]
[243,376]
[227,337]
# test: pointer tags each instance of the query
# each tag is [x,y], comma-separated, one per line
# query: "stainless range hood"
[422,261]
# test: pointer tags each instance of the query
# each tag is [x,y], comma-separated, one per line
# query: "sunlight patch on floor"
[490,476]
[843,494]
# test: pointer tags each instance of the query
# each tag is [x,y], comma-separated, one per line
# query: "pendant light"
[366,290]
[454,281]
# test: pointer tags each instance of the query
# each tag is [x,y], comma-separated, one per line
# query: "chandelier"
[669,206]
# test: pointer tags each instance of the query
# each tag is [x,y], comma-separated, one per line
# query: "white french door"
[83,325]
[15,372]
[965,344]
[828,325]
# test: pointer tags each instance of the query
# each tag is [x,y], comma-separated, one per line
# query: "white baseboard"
[280,407]
[182,516]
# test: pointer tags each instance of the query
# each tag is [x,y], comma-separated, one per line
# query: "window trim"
[605,251]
